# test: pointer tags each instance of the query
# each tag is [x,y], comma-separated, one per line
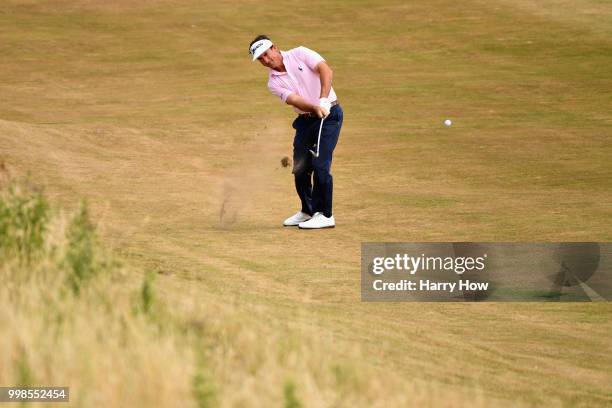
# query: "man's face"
[272,58]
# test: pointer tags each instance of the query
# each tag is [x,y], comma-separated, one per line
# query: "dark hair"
[259,37]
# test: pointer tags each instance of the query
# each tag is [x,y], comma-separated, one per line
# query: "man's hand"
[325,104]
[319,111]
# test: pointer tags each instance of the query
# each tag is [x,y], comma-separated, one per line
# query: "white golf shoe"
[317,221]
[296,218]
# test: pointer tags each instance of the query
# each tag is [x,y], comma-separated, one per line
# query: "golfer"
[301,78]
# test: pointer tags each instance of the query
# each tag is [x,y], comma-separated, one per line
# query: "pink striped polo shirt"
[301,77]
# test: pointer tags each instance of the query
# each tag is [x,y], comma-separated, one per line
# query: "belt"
[314,115]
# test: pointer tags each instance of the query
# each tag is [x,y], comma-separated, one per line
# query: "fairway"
[153,112]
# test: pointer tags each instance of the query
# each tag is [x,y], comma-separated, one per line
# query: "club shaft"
[318,139]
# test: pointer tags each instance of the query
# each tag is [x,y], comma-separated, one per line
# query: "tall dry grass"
[73,316]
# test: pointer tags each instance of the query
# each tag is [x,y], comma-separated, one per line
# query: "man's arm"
[300,103]
[325,75]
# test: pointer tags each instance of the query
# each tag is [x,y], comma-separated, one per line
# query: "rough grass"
[154,113]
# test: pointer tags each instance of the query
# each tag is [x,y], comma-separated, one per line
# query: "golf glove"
[325,104]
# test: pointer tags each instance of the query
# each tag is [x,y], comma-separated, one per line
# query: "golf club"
[318,139]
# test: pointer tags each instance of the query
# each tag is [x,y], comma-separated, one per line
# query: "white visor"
[259,48]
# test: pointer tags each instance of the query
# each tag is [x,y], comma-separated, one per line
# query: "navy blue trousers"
[313,180]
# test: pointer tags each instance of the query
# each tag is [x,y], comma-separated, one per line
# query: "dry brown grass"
[133,111]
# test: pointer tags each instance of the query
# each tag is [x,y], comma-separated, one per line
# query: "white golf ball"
[448,122]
